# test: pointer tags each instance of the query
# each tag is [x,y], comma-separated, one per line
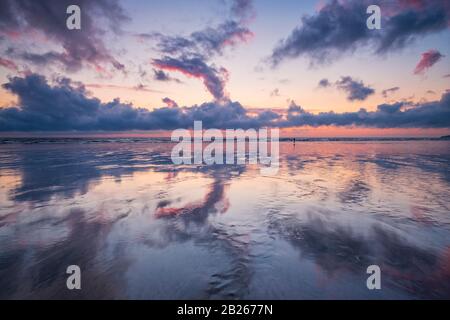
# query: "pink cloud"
[428,59]
[8,64]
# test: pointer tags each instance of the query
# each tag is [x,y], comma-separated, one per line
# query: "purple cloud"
[324,83]
[8,64]
[207,42]
[191,54]
[242,9]
[170,103]
[160,75]
[339,27]
[213,79]
[67,106]
[48,17]
[387,92]
[356,90]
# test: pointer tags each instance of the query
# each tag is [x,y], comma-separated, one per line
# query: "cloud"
[242,9]
[160,75]
[324,83]
[170,103]
[191,54]
[408,20]
[67,106]
[43,59]
[434,114]
[429,58]
[48,17]
[207,42]
[210,40]
[8,64]
[387,92]
[356,90]
[228,33]
[213,79]
[139,87]
[339,28]
[275,93]
[335,28]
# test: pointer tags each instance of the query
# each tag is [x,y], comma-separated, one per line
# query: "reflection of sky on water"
[140,227]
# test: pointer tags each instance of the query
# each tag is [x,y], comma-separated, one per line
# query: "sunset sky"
[306,66]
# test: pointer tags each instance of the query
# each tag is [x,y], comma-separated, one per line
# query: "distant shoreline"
[82,140]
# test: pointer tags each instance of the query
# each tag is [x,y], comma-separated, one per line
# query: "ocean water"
[140,227]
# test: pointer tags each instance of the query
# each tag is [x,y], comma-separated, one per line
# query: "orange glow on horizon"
[297,132]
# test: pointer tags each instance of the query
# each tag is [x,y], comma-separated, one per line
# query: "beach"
[140,227]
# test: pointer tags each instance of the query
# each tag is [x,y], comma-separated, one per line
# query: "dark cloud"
[387,92]
[67,106]
[44,58]
[340,27]
[211,40]
[48,17]
[295,109]
[409,19]
[191,54]
[160,75]
[324,83]
[242,9]
[170,103]
[434,114]
[207,42]
[170,44]
[213,79]
[429,58]
[356,90]
[334,29]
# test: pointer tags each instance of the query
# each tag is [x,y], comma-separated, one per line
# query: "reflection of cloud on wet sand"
[336,249]
[190,222]
[39,271]
[115,207]
[68,171]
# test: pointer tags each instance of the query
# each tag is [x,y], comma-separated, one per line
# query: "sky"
[312,68]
